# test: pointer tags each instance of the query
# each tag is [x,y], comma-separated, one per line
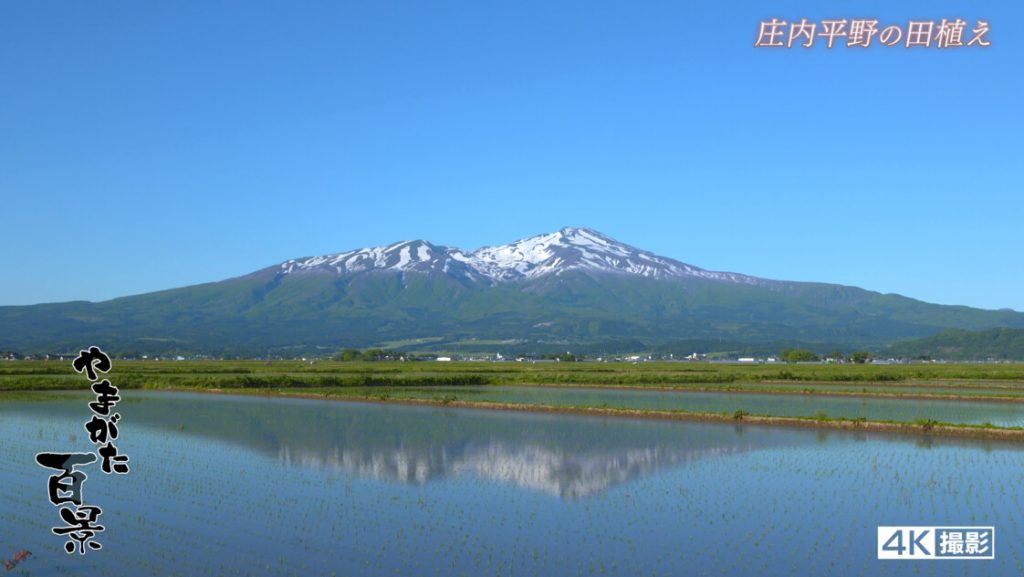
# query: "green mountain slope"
[272,313]
[961,345]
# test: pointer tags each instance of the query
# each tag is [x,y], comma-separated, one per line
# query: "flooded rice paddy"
[224,485]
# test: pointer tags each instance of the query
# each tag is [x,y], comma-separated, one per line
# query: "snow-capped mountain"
[404,256]
[567,249]
[571,288]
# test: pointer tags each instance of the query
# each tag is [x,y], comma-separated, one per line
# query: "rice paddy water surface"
[224,485]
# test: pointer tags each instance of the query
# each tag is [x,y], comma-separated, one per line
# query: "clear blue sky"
[149,145]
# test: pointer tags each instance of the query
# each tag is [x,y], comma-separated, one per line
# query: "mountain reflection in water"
[562,455]
[539,467]
[568,456]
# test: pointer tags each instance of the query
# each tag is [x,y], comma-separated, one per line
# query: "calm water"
[1002,414]
[978,390]
[255,486]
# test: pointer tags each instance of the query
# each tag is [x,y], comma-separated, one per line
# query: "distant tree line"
[566,357]
[798,356]
[373,355]
[805,356]
[353,355]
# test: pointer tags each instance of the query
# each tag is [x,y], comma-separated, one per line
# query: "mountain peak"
[402,255]
[554,252]
[569,248]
